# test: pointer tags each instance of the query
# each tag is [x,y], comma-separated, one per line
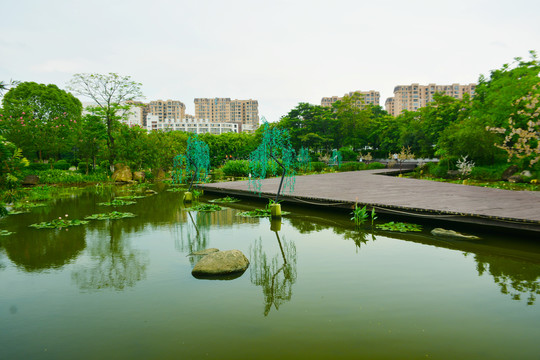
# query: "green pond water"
[315,289]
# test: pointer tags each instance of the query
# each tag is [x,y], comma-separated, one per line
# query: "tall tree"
[109,92]
[43,116]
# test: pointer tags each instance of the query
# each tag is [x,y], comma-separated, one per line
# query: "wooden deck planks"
[372,187]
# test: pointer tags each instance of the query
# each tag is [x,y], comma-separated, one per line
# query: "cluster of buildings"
[222,115]
[407,97]
[212,115]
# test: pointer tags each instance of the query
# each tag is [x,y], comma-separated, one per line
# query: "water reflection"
[515,278]
[113,263]
[36,250]
[276,280]
[190,237]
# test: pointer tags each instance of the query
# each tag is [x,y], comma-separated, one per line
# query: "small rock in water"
[221,263]
[452,233]
[205,251]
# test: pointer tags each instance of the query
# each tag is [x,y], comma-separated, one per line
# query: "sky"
[278,52]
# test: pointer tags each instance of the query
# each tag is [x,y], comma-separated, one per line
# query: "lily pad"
[110,216]
[205,208]
[6,233]
[117,202]
[259,213]
[399,226]
[226,199]
[58,224]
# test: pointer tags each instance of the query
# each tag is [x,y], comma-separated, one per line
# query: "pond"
[316,287]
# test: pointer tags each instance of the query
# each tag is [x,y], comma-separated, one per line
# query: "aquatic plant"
[58,223]
[117,202]
[226,199]
[130,197]
[113,215]
[360,215]
[399,226]
[6,233]
[205,208]
[267,212]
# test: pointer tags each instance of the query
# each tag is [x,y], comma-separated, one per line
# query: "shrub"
[318,166]
[61,165]
[81,166]
[38,167]
[347,154]
[375,165]
[238,168]
[352,166]
[488,173]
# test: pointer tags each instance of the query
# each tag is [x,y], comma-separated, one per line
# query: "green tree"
[109,92]
[496,95]
[41,118]
[275,149]
[92,136]
[353,119]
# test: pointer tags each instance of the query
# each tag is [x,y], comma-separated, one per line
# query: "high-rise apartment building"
[414,96]
[245,112]
[371,97]
[168,109]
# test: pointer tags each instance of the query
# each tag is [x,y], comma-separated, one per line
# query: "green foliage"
[318,166]
[274,151]
[59,223]
[360,215]
[67,177]
[399,226]
[61,165]
[117,202]
[195,163]
[352,166]
[113,215]
[38,166]
[236,168]
[205,208]
[11,164]
[304,160]
[336,158]
[226,199]
[488,173]
[375,165]
[5,232]
[348,154]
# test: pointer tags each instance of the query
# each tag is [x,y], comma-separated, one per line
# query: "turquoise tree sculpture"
[274,150]
[195,163]
[336,158]
[304,160]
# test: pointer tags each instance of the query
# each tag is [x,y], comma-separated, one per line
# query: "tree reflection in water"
[275,280]
[515,277]
[189,237]
[116,265]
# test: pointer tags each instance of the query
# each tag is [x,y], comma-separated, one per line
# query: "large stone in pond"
[139,176]
[122,173]
[221,263]
[205,251]
[453,234]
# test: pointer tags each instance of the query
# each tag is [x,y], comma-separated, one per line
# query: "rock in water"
[221,263]
[122,173]
[452,233]
[205,251]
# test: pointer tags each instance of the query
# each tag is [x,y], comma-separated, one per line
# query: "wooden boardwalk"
[411,197]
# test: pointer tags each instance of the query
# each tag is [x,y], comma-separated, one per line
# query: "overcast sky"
[278,52]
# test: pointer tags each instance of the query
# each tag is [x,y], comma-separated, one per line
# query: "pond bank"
[519,210]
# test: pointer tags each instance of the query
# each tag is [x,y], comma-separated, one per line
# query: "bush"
[352,166]
[375,165]
[347,154]
[315,156]
[318,166]
[81,166]
[38,166]
[67,177]
[61,165]
[238,168]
